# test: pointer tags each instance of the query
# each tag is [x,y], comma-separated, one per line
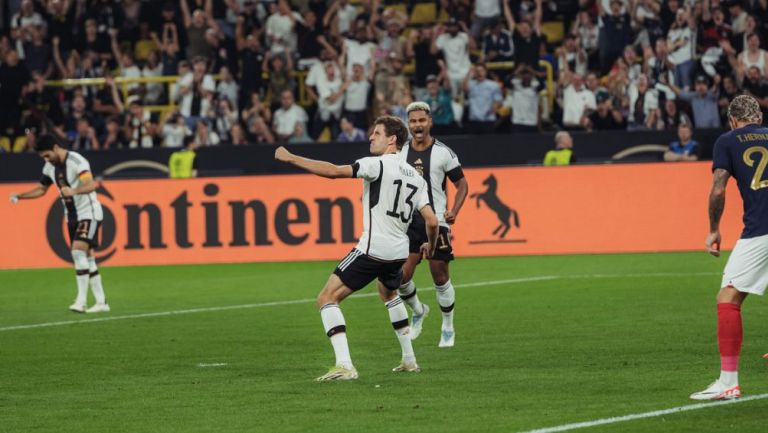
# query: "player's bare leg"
[407,292]
[729,338]
[101,305]
[80,261]
[446,298]
[335,327]
[398,315]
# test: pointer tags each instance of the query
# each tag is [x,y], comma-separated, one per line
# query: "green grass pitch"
[593,337]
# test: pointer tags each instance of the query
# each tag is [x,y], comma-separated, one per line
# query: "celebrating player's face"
[379,140]
[419,123]
[49,156]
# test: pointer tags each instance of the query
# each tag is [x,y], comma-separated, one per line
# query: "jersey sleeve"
[452,166]
[422,198]
[721,158]
[83,167]
[367,168]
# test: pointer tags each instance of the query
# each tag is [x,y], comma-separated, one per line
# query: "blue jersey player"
[741,153]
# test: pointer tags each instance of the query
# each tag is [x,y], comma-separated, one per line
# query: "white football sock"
[398,315]
[729,378]
[96,287]
[336,330]
[80,259]
[408,294]
[446,297]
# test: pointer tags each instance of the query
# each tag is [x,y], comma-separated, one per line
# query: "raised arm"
[116,48]
[320,168]
[508,16]
[716,208]
[185,13]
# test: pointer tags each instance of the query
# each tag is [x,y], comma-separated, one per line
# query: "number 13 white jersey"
[392,192]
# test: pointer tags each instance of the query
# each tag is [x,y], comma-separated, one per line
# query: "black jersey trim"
[456,174]
[355,168]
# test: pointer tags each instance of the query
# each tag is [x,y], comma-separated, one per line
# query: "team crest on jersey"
[419,166]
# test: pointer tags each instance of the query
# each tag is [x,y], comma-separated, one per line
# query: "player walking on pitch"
[392,191]
[741,153]
[435,162]
[71,173]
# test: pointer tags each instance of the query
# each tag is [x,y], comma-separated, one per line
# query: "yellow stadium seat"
[554,30]
[5,143]
[442,17]
[19,144]
[423,13]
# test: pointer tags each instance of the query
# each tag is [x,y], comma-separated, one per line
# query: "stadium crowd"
[301,70]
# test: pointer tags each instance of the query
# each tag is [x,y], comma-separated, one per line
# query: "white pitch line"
[306,301]
[632,417]
[212,364]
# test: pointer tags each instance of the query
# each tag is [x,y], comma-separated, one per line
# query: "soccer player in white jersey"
[71,173]
[436,163]
[392,192]
[740,153]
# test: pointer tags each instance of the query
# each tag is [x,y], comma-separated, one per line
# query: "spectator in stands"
[739,41]
[605,117]
[685,148]
[738,16]
[728,91]
[523,101]
[154,93]
[85,136]
[643,105]
[237,136]
[204,135]
[329,89]
[440,104]
[754,84]
[280,28]
[42,98]
[656,62]
[197,24]
[279,68]
[252,57]
[196,91]
[497,44]
[703,101]
[128,68]
[754,56]
[37,52]
[113,137]
[92,40]
[287,116]
[357,49]
[681,46]
[137,125]
[390,44]
[526,37]
[563,153]
[349,133]
[300,134]
[357,97]
[571,57]
[714,35]
[175,130]
[310,38]
[390,92]
[257,117]
[418,48]
[484,99]
[487,16]
[585,29]
[169,49]
[223,118]
[646,22]
[615,33]
[672,116]
[340,17]
[227,87]
[222,51]
[576,99]
[77,110]
[24,19]
[455,46]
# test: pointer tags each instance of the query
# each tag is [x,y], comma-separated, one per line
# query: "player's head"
[744,110]
[48,147]
[387,131]
[419,120]
[563,140]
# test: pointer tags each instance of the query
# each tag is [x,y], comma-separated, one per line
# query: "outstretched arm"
[716,207]
[320,168]
[38,191]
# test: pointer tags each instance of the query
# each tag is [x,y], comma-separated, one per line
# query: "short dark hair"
[46,142]
[394,126]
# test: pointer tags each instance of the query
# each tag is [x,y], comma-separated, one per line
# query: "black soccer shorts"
[417,235]
[357,270]
[84,230]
